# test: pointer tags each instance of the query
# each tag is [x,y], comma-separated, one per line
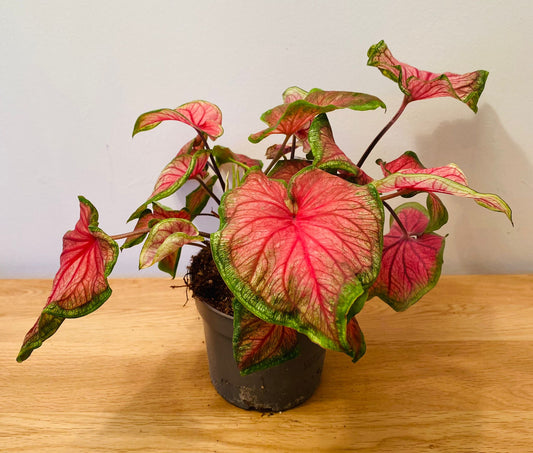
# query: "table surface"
[453,373]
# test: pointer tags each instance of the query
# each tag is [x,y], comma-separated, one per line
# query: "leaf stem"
[382,132]
[281,152]
[116,237]
[398,193]
[293,147]
[207,189]
[212,160]
[210,214]
[202,245]
[217,172]
[396,219]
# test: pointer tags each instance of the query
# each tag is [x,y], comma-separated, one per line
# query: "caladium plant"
[301,241]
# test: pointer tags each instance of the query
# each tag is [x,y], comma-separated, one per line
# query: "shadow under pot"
[274,389]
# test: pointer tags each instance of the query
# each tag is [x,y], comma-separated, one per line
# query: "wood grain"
[454,374]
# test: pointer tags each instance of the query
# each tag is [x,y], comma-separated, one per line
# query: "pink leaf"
[286,169]
[80,285]
[201,115]
[355,339]
[258,344]
[361,179]
[327,155]
[438,214]
[288,119]
[417,84]
[166,238]
[431,180]
[292,94]
[408,162]
[225,155]
[411,263]
[273,150]
[178,171]
[149,218]
[299,256]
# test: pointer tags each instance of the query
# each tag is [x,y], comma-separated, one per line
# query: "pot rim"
[213,309]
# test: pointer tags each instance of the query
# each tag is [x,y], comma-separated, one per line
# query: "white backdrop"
[74,76]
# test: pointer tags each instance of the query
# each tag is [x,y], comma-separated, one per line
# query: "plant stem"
[210,214]
[207,189]
[293,147]
[382,132]
[131,233]
[217,172]
[281,152]
[396,219]
[213,162]
[395,194]
[202,245]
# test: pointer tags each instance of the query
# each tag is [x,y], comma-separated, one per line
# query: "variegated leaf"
[80,285]
[300,256]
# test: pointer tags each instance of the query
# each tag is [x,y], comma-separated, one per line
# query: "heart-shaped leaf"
[258,344]
[201,115]
[411,262]
[287,119]
[417,84]
[166,238]
[300,256]
[432,181]
[80,285]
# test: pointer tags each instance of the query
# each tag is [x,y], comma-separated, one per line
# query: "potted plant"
[301,243]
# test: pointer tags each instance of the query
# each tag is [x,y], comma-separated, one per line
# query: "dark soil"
[206,284]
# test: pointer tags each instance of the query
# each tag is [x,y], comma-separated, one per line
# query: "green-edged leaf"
[411,263]
[201,115]
[288,119]
[149,218]
[258,344]
[80,285]
[409,162]
[292,94]
[286,169]
[180,169]
[225,155]
[417,84]
[196,201]
[166,238]
[437,212]
[433,182]
[355,341]
[327,155]
[299,255]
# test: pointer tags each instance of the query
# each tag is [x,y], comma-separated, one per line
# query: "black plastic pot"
[275,389]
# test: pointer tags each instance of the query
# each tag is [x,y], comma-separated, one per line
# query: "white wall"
[74,75]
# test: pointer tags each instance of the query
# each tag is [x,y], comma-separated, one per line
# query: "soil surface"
[206,284]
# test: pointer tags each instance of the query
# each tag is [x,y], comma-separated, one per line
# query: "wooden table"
[454,373]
